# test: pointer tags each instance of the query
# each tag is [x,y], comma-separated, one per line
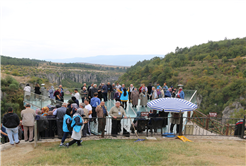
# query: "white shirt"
[77,95]
[27,90]
[118,86]
[89,108]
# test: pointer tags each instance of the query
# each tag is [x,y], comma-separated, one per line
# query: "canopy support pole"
[180,123]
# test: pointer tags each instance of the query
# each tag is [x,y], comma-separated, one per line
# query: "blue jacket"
[64,126]
[95,102]
[182,94]
[124,98]
[105,89]
[77,124]
[167,93]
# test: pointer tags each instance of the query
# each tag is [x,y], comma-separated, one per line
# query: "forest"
[216,69]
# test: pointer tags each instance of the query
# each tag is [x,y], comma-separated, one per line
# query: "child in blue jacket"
[66,121]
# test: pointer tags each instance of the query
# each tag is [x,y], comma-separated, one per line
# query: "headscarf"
[37,111]
[46,110]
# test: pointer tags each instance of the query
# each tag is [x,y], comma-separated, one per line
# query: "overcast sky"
[65,29]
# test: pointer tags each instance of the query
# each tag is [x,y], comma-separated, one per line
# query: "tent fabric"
[172,105]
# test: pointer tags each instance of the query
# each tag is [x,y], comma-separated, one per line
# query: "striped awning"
[171,105]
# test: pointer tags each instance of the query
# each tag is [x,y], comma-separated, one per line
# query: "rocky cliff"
[79,77]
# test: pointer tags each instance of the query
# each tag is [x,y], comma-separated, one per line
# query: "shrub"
[192,63]
[13,86]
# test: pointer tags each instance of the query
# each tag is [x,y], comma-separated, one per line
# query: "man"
[60,112]
[123,86]
[27,90]
[83,86]
[95,101]
[118,86]
[131,89]
[149,91]
[102,112]
[11,121]
[89,108]
[158,86]
[104,91]
[113,91]
[83,111]
[154,94]
[76,94]
[28,119]
[62,93]
[90,86]
[110,89]
[93,90]
[83,94]
[180,93]
[116,112]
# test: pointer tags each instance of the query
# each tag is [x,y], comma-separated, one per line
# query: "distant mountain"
[115,60]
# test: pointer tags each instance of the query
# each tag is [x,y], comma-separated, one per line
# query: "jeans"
[65,134]
[11,132]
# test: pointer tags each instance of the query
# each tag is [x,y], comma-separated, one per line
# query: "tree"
[244,73]
[208,58]
[224,59]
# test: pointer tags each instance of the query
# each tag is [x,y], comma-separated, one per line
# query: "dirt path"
[16,153]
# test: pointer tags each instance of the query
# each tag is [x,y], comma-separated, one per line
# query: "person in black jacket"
[11,121]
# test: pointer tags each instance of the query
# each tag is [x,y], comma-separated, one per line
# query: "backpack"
[69,122]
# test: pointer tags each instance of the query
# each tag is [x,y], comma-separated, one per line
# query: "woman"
[143,98]
[180,94]
[135,97]
[117,96]
[77,125]
[162,93]
[66,123]
[124,97]
[37,91]
[45,111]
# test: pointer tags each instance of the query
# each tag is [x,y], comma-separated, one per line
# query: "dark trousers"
[129,95]
[85,129]
[124,104]
[118,100]
[116,126]
[149,97]
[83,99]
[73,141]
[65,134]
[177,128]
[101,125]
[105,96]
[94,114]
[59,129]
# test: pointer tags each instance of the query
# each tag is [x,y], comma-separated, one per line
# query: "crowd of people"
[85,106]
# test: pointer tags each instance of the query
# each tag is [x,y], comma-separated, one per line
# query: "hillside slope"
[216,69]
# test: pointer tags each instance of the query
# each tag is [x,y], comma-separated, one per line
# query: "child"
[66,122]
[77,125]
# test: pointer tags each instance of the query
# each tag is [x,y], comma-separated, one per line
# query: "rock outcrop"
[227,112]
[79,77]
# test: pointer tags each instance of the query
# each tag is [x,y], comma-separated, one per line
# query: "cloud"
[45,29]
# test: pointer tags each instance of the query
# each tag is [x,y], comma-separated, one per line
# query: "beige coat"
[99,111]
[117,112]
[174,120]
[135,97]
[28,117]
[143,99]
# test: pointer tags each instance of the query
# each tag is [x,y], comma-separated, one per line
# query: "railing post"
[207,121]
[35,134]
[242,131]
[180,123]
[227,128]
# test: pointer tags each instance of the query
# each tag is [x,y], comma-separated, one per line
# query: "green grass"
[128,152]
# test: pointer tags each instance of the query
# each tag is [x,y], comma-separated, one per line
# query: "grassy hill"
[216,69]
